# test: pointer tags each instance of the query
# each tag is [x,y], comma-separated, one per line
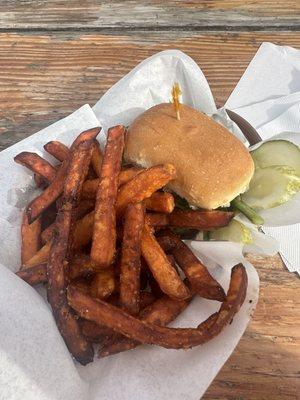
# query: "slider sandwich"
[213,166]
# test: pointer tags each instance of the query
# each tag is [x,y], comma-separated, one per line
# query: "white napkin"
[268,96]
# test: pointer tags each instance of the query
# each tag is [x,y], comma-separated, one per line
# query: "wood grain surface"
[45,77]
[152,15]
[55,56]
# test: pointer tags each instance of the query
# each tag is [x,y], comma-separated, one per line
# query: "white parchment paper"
[34,362]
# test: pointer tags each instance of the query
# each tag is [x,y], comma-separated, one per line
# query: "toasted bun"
[213,166]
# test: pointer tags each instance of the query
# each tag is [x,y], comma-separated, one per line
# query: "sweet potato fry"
[160,202]
[161,313]
[163,272]
[84,207]
[49,216]
[30,236]
[90,186]
[57,149]
[89,134]
[127,174]
[61,248]
[82,236]
[98,333]
[201,220]
[34,275]
[48,233]
[40,257]
[50,194]
[172,261]
[96,158]
[154,286]
[104,235]
[83,232]
[143,185]
[146,298]
[82,285]
[40,182]
[157,220]
[93,332]
[54,190]
[131,258]
[197,274]
[36,164]
[145,332]
[103,284]
[80,266]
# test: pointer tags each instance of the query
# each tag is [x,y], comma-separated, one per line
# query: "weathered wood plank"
[44,78]
[155,14]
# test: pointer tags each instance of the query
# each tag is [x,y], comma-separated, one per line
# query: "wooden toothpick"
[176,92]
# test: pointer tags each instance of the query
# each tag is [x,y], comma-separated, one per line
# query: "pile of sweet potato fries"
[101,235]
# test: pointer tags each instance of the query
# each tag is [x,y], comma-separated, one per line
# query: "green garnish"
[249,212]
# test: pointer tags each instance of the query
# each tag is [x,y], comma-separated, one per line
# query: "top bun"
[213,166]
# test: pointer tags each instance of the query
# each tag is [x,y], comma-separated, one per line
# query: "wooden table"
[56,56]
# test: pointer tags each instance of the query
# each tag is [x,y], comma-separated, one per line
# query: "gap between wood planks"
[169,28]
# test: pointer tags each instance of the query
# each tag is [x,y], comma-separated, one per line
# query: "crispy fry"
[154,286]
[103,284]
[157,220]
[90,186]
[98,333]
[40,182]
[97,158]
[201,220]
[82,285]
[83,232]
[30,236]
[84,207]
[160,202]
[127,174]
[48,233]
[91,174]
[61,248]
[40,257]
[93,332]
[197,274]
[49,216]
[104,235]
[53,191]
[145,332]
[36,164]
[89,189]
[161,312]
[57,149]
[143,185]
[89,134]
[172,261]
[50,194]
[34,275]
[163,272]
[80,266]
[146,298]
[131,258]
[166,241]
